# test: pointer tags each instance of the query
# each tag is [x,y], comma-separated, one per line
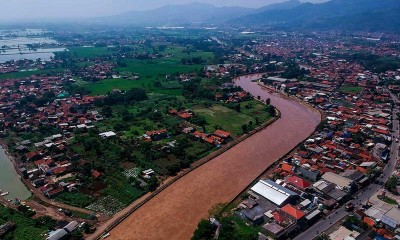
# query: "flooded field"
[175,212]
[17,45]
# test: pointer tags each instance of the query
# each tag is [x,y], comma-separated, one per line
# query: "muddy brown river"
[175,212]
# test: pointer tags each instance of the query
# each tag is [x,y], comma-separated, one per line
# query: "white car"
[105,236]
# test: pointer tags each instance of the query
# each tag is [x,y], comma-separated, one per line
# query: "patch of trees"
[194,89]
[205,230]
[198,120]
[294,71]
[73,89]
[231,229]
[39,102]
[192,61]
[391,185]
[374,62]
[128,97]
[271,111]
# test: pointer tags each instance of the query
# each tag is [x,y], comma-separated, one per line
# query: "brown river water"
[176,211]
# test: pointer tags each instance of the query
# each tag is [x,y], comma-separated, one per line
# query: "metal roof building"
[342,182]
[273,192]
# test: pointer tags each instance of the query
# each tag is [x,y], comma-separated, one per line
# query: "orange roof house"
[298,182]
[221,134]
[185,115]
[293,211]
[286,167]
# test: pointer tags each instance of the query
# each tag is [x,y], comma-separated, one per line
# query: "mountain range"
[172,15]
[370,15]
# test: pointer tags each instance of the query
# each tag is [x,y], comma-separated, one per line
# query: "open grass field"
[222,117]
[151,71]
[15,75]
[255,109]
[107,85]
[350,89]
[219,116]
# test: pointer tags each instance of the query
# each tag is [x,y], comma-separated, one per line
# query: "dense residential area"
[87,149]
[351,149]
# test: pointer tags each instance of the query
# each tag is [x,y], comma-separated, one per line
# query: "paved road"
[363,197]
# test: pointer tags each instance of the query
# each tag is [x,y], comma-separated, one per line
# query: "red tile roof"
[39,162]
[369,221]
[185,115]
[292,211]
[96,174]
[59,170]
[286,167]
[278,217]
[222,134]
[298,182]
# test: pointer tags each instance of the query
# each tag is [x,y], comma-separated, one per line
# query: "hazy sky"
[39,9]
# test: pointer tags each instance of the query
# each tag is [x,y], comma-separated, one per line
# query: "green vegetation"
[15,75]
[323,236]
[204,231]
[154,78]
[387,199]
[218,116]
[391,185]
[374,62]
[350,89]
[120,188]
[352,221]
[26,228]
[84,215]
[75,199]
[232,228]
[153,72]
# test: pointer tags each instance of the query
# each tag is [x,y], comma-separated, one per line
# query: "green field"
[15,75]
[222,117]
[107,85]
[227,119]
[350,89]
[151,71]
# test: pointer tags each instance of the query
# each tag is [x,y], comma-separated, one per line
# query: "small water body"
[16,48]
[42,54]
[10,180]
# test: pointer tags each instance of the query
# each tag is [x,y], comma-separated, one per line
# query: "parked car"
[349,207]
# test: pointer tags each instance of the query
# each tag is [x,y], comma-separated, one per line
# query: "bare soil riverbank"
[175,211]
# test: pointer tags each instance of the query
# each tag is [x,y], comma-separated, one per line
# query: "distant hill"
[369,15]
[172,15]
[280,6]
[336,14]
